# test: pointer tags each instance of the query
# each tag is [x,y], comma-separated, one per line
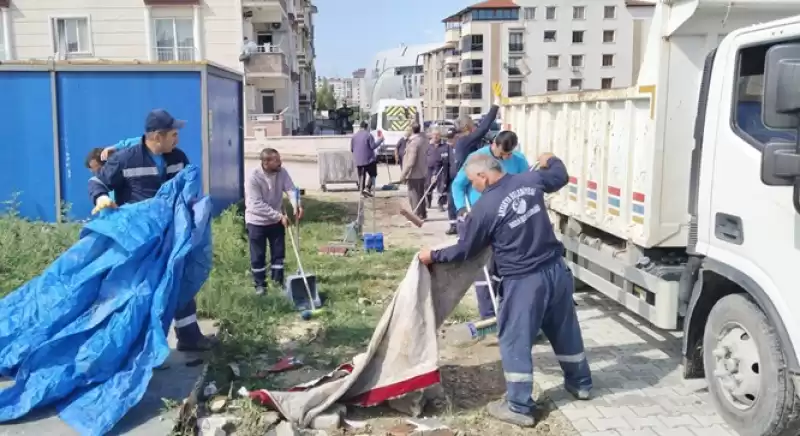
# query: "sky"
[348,33]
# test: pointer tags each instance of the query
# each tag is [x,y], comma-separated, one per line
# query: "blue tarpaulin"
[86,334]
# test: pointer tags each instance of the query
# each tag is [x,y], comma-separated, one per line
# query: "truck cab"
[741,330]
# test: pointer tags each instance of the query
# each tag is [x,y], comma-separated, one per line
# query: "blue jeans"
[542,300]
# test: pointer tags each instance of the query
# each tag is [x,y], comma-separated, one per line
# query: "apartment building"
[280,75]
[566,44]
[342,89]
[359,87]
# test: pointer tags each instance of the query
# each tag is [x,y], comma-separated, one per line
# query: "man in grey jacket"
[265,218]
[415,169]
[363,147]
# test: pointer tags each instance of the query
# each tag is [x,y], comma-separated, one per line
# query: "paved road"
[639,389]
[148,418]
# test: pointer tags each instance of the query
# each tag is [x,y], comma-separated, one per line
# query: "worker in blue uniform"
[537,285]
[135,174]
[470,137]
[504,149]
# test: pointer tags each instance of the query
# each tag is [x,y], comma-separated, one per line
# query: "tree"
[325,98]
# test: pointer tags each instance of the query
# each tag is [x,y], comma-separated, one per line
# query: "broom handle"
[296,250]
[486,274]
[426,191]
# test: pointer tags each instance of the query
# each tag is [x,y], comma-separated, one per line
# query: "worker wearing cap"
[504,150]
[135,174]
[537,285]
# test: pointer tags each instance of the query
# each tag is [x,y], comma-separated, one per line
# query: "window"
[609,36]
[515,42]
[577,61]
[174,39]
[472,67]
[495,14]
[553,61]
[549,36]
[610,12]
[529,14]
[607,83]
[472,43]
[515,88]
[513,66]
[472,91]
[576,83]
[2,44]
[267,102]
[579,12]
[552,85]
[71,36]
[550,13]
[475,111]
[450,112]
[577,37]
[608,60]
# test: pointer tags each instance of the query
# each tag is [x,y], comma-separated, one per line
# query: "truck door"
[749,226]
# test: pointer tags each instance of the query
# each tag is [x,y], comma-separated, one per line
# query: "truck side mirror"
[781,105]
[780,110]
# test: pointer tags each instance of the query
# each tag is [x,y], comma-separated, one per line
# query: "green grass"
[250,326]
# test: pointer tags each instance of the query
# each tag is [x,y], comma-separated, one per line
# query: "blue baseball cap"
[159,119]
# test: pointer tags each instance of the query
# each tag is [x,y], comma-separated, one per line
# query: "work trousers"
[452,213]
[259,237]
[370,170]
[542,300]
[416,192]
[186,328]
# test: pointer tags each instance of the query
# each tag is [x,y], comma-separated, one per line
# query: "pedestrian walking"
[265,218]
[363,147]
[449,172]
[415,170]
[400,151]
[433,159]
[537,285]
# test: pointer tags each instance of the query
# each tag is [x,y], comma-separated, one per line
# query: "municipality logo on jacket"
[516,202]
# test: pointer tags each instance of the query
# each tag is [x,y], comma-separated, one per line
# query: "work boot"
[579,393]
[260,290]
[452,230]
[205,343]
[499,410]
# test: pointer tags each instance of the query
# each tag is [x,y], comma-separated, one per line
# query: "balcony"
[305,99]
[268,61]
[472,95]
[452,35]
[175,54]
[514,93]
[472,72]
[265,11]
[452,57]
[514,71]
[452,78]
[516,48]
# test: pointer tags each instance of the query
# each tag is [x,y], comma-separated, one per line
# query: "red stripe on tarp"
[379,395]
[573,180]
[613,190]
[591,185]
[638,196]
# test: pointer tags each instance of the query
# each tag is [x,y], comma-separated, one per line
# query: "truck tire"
[744,369]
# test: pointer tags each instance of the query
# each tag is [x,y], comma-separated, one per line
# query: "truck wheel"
[744,370]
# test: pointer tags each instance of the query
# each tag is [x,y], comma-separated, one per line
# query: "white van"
[390,119]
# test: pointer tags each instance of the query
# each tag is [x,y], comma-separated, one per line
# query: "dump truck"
[683,202]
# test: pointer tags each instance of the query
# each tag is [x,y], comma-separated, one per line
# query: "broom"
[411,214]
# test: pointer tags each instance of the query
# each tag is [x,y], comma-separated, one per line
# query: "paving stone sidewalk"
[639,389]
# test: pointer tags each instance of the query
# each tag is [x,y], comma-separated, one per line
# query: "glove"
[103,202]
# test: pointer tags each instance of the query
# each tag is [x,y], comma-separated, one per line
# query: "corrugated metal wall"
[27,168]
[99,108]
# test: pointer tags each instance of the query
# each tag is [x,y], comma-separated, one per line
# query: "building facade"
[396,73]
[359,87]
[566,45]
[280,75]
